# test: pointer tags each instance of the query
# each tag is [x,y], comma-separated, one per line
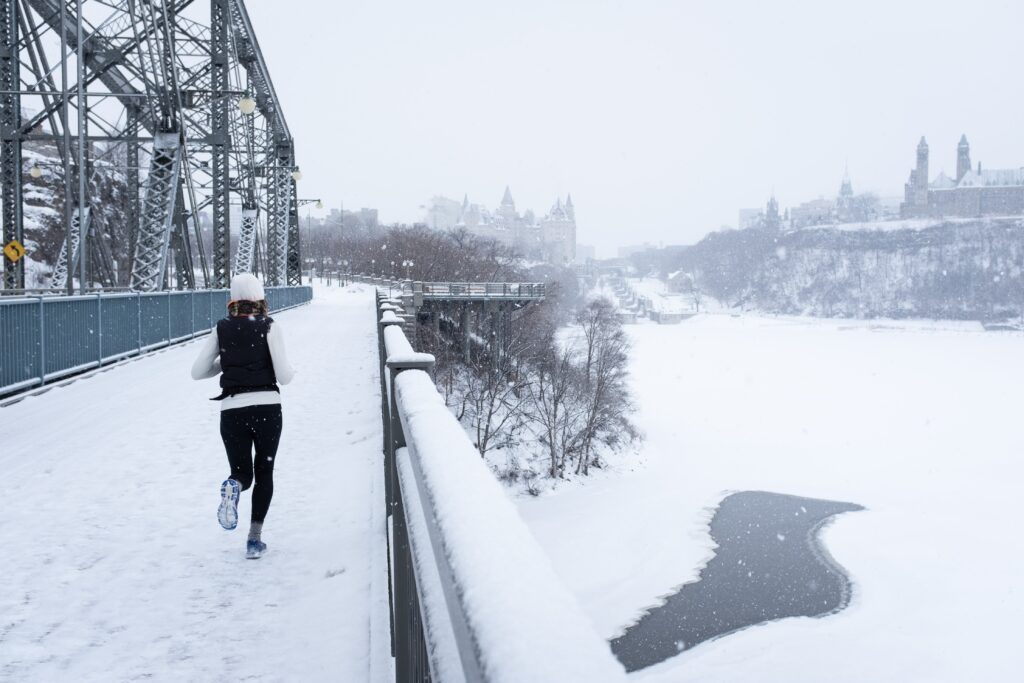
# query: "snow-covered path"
[112,564]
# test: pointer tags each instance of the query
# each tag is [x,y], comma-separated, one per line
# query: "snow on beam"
[396,343]
[524,623]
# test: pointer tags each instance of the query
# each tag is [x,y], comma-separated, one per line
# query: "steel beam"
[220,137]
[10,139]
[70,253]
[246,251]
[294,247]
[157,214]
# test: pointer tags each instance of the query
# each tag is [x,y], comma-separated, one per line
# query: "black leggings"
[241,428]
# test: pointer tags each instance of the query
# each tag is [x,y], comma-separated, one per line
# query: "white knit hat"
[246,287]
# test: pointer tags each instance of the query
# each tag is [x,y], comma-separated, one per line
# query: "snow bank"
[525,624]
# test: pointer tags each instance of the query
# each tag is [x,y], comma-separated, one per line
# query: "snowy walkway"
[113,566]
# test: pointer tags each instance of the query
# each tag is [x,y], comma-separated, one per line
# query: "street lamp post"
[408,264]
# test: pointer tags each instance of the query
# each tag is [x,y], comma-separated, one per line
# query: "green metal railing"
[48,337]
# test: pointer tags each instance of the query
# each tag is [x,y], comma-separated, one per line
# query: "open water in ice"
[769,564]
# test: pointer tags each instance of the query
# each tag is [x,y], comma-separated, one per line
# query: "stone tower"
[846,187]
[507,210]
[570,210]
[963,158]
[921,177]
[772,220]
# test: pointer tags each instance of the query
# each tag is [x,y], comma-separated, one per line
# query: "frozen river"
[769,564]
[917,422]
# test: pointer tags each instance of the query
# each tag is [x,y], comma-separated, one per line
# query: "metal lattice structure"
[69,254]
[175,100]
[246,253]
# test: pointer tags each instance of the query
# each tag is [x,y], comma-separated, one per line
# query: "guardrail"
[472,595]
[452,290]
[45,338]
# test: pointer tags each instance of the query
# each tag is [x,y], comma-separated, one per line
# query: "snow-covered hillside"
[917,422]
[954,269]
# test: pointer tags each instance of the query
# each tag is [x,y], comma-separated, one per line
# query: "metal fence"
[48,337]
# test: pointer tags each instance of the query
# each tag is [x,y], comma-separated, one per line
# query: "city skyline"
[662,119]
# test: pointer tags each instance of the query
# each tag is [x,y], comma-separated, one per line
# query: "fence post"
[99,329]
[138,310]
[42,342]
[168,295]
[192,317]
[396,437]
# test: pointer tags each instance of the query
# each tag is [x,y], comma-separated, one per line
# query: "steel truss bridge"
[175,100]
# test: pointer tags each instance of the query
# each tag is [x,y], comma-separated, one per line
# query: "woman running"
[247,350]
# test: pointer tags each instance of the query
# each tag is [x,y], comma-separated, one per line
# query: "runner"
[247,350]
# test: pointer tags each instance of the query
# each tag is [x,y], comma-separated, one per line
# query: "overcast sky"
[662,118]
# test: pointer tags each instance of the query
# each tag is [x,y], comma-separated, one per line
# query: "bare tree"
[555,404]
[605,396]
[494,401]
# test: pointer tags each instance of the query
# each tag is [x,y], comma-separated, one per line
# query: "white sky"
[661,118]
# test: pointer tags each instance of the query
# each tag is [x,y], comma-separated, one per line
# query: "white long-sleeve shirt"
[207,365]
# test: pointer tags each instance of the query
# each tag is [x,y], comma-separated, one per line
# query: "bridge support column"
[465,333]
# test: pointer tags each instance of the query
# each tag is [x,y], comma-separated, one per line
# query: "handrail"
[474,596]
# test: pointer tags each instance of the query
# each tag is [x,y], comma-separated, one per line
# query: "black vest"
[245,361]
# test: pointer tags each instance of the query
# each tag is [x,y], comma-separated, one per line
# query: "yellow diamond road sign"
[14,250]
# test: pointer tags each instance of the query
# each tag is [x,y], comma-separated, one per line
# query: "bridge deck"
[113,561]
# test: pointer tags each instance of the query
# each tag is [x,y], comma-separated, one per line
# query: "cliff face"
[963,269]
[44,212]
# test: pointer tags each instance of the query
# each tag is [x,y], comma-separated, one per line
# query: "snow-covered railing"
[45,338]
[454,291]
[473,598]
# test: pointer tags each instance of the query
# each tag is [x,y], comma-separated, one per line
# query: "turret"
[963,158]
[507,210]
[846,188]
[570,211]
[921,177]
[506,200]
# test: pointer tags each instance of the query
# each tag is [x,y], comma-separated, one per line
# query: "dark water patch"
[770,564]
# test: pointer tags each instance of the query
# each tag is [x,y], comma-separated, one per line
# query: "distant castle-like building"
[972,193]
[846,207]
[551,239]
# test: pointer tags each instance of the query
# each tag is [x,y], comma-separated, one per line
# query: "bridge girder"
[151,70]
